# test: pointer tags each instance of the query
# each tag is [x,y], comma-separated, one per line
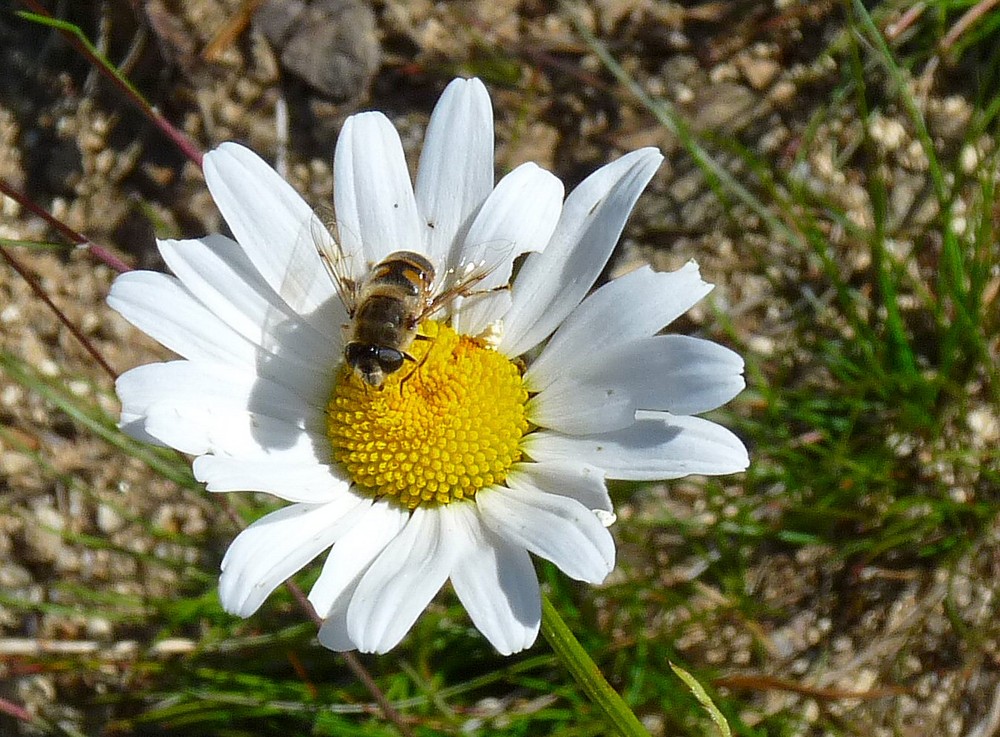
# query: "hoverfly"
[387,303]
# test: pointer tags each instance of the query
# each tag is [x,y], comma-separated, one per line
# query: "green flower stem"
[587,674]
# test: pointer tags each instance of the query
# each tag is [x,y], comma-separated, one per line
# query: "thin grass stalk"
[718,177]
[82,44]
[952,274]
[100,426]
[900,353]
[962,325]
[968,19]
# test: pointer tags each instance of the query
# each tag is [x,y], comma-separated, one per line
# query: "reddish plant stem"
[15,710]
[40,293]
[100,253]
[906,20]
[963,24]
[185,144]
[353,663]
[359,670]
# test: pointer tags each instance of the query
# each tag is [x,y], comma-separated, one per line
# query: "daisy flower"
[495,438]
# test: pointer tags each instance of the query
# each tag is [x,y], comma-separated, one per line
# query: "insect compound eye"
[373,362]
[359,354]
[390,359]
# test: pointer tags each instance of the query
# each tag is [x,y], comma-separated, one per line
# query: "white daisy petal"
[162,308]
[188,383]
[402,580]
[135,428]
[218,273]
[553,282]
[333,633]
[373,197]
[309,379]
[203,429]
[455,174]
[210,408]
[577,480]
[271,222]
[519,216]
[352,555]
[555,527]
[674,373]
[315,483]
[657,446]
[583,408]
[684,375]
[636,305]
[497,585]
[277,545]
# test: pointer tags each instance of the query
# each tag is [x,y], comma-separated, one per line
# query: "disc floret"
[439,430]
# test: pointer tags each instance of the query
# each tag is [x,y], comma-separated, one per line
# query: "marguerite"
[495,438]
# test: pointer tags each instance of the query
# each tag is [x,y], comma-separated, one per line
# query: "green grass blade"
[96,422]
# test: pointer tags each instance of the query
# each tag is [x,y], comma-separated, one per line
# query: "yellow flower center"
[443,427]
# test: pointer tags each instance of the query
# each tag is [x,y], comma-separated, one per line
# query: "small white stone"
[985,424]
[969,158]
[888,133]
[11,395]
[683,94]
[108,520]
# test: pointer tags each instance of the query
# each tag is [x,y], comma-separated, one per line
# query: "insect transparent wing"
[339,266]
[487,258]
[488,296]
[306,287]
[303,286]
[523,209]
[485,270]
